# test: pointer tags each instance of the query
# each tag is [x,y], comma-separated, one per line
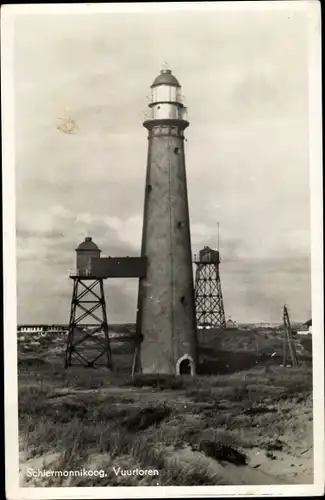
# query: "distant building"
[31,328]
[267,325]
[230,323]
[42,329]
[306,328]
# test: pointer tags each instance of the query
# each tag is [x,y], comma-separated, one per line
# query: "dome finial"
[165,69]
[166,66]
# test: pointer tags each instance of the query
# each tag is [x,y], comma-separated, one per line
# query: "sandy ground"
[293,466]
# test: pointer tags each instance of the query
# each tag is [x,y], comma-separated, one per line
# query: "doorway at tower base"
[184,365]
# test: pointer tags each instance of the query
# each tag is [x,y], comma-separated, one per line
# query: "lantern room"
[166,99]
[86,251]
[208,255]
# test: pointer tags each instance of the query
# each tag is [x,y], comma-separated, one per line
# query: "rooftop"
[88,244]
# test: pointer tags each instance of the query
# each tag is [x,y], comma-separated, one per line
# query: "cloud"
[244,76]
[46,256]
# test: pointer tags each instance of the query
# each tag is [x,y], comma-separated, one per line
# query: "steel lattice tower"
[208,295]
[88,339]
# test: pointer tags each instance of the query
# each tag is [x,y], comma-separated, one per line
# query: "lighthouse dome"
[166,78]
[87,245]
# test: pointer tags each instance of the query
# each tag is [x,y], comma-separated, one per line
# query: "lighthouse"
[166,308]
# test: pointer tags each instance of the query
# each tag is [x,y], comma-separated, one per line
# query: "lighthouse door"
[184,366]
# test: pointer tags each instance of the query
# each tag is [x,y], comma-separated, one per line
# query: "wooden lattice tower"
[208,294]
[288,343]
[88,340]
[88,337]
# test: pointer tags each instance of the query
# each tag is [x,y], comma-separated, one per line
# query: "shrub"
[145,417]
[157,382]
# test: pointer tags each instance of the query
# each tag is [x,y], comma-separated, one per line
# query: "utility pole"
[288,343]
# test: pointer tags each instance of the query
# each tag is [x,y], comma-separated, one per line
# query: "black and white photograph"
[163,249]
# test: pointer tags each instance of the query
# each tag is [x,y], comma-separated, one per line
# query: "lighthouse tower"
[166,313]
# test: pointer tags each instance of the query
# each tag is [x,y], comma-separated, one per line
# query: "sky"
[244,77]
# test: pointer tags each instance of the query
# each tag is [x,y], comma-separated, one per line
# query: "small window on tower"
[176,151]
[158,107]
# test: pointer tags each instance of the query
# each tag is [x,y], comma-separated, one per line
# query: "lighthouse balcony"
[82,273]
